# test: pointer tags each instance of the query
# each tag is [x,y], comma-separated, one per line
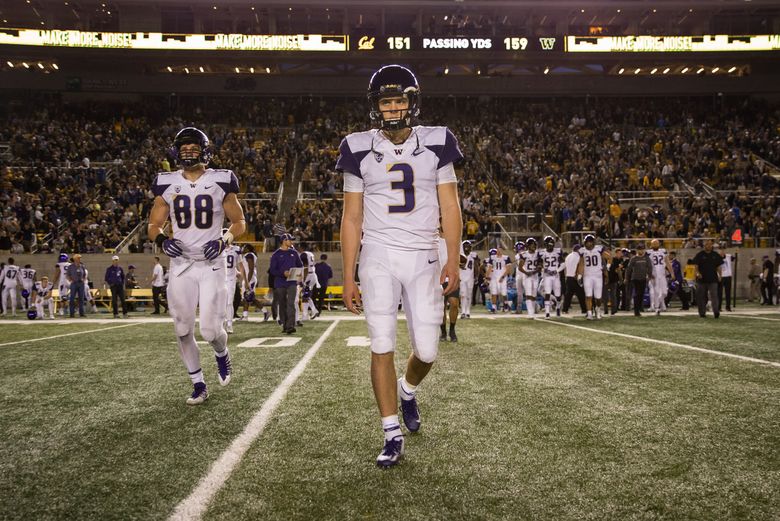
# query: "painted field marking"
[358,341]
[66,334]
[755,317]
[672,344]
[194,505]
[271,341]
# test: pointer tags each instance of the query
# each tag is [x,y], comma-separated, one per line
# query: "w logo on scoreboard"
[548,44]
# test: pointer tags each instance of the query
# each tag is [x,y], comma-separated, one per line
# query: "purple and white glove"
[172,248]
[213,249]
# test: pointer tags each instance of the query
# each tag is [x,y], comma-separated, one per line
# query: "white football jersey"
[399,184]
[63,267]
[196,211]
[725,268]
[309,264]
[529,261]
[232,258]
[28,277]
[551,261]
[245,263]
[592,260]
[657,261]
[468,261]
[10,276]
[43,292]
[499,264]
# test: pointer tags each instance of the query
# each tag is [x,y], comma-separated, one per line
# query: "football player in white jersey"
[469,266]
[61,281]
[659,287]
[27,275]
[399,180]
[550,260]
[498,271]
[451,301]
[11,282]
[248,270]
[232,260]
[41,294]
[529,266]
[591,269]
[519,276]
[310,282]
[197,199]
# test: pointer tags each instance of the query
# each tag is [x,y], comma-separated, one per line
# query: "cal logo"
[366,44]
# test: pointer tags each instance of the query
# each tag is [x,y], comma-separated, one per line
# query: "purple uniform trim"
[158,188]
[349,161]
[232,186]
[447,153]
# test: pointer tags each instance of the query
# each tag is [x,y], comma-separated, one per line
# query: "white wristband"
[228,238]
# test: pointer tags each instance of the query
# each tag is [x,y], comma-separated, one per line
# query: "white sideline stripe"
[66,334]
[755,317]
[673,344]
[196,503]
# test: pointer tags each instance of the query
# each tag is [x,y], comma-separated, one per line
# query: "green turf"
[731,334]
[522,420]
[95,426]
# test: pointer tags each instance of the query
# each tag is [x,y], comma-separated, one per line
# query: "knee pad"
[382,345]
[427,351]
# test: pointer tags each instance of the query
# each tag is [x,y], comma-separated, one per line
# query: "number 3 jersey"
[399,183]
[196,211]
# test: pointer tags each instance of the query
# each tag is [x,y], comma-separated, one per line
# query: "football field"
[670,417]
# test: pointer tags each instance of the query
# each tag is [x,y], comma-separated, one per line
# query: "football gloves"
[213,249]
[172,248]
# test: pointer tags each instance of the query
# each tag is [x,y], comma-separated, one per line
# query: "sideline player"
[469,266]
[658,285]
[61,281]
[529,266]
[27,275]
[398,181]
[310,284]
[197,199]
[451,301]
[591,268]
[11,280]
[550,261]
[232,258]
[497,272]
[41,295]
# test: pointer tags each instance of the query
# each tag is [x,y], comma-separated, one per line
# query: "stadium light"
[55,66]
[666,70]
[618,10]
[169,68]
[252,70]
[186,70]
[655,69]
[25,65]
[621,71]
[238,70]
[10,64]
[546,70]
[637,71]
[716,69]
[700,71]
[200,68]
[732,70]
[40,65]
[685,69]
[268,70]
[446,70]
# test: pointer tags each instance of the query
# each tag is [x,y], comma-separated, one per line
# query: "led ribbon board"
[174,42]
[705,43]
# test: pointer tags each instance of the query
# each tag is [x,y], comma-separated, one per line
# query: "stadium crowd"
[80,173]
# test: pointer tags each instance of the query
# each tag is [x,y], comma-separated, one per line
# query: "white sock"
[405,389]
[222,354]
[246,314]
[391,426]
[197,377]
[190,355]
[531,305]
[546,306]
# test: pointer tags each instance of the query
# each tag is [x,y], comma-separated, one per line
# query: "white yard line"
[66,334]
[664,342]
[194,506]
[753,316]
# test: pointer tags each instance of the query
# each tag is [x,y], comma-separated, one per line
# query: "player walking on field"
[399,180]
[197,200]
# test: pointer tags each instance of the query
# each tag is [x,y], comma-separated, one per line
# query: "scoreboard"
[367,43]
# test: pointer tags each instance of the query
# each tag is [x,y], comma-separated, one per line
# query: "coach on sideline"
[708,265]
[115,278]
[638,272]
[572,287]
[282,261]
